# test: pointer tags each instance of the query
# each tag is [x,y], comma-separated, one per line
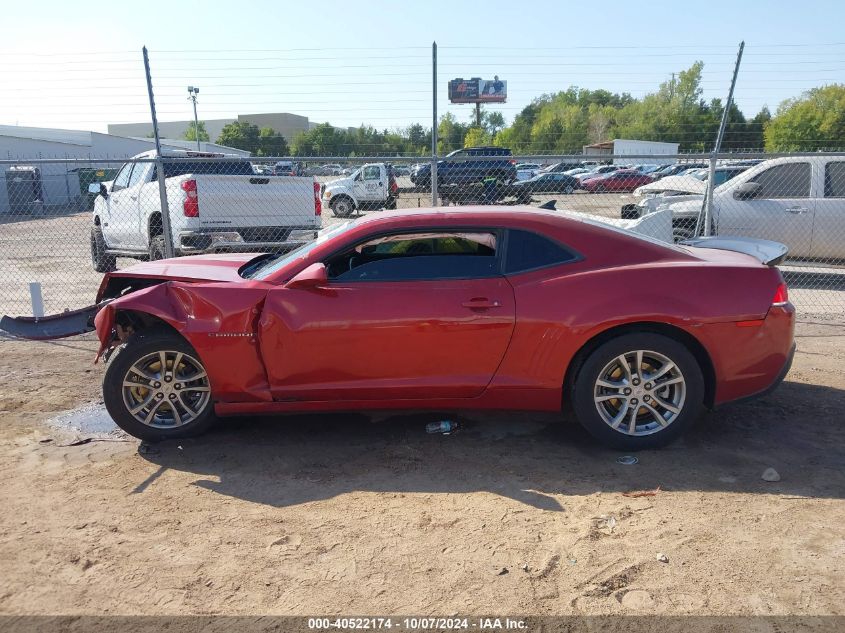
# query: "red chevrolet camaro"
[470,308]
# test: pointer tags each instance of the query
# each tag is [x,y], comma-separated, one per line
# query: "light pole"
[193,91]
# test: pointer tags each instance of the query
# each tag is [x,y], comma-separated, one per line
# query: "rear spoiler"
[766,251]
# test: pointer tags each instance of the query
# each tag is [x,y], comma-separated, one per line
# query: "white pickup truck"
[216,205]
[797,200]
[373,186]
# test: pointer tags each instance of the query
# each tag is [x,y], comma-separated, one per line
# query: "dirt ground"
[340,514]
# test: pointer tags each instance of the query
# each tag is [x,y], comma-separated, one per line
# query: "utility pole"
[193,91]
[477,114]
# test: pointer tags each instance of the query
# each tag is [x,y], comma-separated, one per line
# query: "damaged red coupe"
[472,308]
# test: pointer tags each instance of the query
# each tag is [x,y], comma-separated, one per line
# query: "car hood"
[682,184]
[339,182]
[220,267]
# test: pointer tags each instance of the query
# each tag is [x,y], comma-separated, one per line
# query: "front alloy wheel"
[156,388]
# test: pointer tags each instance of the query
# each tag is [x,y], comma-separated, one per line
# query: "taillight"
[394,188]
[512,162]
[191,204]
[781,295]
[318,204]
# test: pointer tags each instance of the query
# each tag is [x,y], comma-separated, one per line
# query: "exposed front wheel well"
[97,220]
[670,331]
[132,322]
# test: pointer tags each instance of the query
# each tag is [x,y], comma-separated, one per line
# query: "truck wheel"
[342,207]
[157,248]
[390,205]
[102,262]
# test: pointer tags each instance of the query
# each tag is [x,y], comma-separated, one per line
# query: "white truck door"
[780,210]
[830,213]
[120,211]
[140,200]
[373,184]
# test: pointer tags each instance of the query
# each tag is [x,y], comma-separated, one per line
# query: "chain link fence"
[65,222]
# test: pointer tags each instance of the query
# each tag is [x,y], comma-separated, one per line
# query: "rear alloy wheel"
[342,207]
[638,391]
[102,262]
[156,388]
[568,189]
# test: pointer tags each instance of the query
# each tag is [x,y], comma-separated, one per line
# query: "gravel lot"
[512,514]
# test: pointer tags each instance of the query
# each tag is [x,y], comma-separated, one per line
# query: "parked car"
[330,169]
[401,170]
[675,169]
[373,186]
[524,171]
[288,168]
[796,200]
[548,183]
[622,180]
[472,164]
[215,205]
[689,186]
[447,311]
[262,170]
[597,171]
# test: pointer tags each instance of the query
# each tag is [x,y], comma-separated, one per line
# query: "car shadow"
[534,459]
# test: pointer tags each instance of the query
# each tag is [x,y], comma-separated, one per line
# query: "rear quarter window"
[834,180]
[528,251]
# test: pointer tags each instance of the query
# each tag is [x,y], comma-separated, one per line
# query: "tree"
[814,121]
[191,133]
[271,143]
[476,136]
[241,135]
[450,134]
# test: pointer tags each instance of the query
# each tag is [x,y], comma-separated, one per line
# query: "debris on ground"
[642,493]
[627,460]
[770,474]
[444,427]
[502,571]
[662,558]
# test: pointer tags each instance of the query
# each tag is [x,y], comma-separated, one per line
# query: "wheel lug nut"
[167,379]
[156,385]
[648,385]
[636,382]
[627,391]
[634,401]
[173,396]
[160,396]
[647,398]
[177,386]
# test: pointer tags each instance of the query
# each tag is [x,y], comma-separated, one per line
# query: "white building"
[60,182]
[629,147]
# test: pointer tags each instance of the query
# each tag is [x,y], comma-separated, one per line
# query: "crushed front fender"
[54,326]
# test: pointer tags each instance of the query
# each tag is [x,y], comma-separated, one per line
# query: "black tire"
[102,262]
[136,348]
[584,385]
[601,189]
[342,207]
[390,205]
[157,248]
[569,190]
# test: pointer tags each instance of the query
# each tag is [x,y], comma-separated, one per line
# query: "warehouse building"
[59,186]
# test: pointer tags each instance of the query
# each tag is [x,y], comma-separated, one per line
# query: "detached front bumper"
[70,323]
[258,240]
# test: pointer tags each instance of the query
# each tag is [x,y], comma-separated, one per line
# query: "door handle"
[797,210]
[481,303]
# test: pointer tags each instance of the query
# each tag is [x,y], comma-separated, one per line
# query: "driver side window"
[418,256]
[121,181]
[372,172]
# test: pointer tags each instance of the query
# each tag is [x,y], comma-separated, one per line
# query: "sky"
[77,66]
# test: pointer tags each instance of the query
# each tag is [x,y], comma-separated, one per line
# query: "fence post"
[434,124]
[708,199]
[165,208]
[162,187]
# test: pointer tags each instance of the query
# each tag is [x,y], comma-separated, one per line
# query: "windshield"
[274,263]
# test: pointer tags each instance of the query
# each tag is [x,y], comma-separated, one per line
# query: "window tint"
[122,178]
[791,180]
[834,180]
[220,168]
[371,172]
[441,255]
[527,250]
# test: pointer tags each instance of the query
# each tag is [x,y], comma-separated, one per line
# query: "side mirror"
[747,190]
[315,276]
[98,188]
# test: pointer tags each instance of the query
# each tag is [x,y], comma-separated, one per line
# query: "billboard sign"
[478,90]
